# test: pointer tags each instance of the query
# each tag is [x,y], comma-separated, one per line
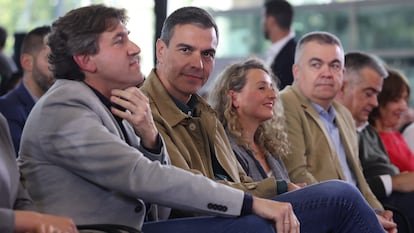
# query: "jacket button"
[138,208]
[192,126]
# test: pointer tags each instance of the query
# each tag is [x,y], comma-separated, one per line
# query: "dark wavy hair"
[392,89]
[78,32]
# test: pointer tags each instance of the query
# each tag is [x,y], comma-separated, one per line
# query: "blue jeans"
[332,206]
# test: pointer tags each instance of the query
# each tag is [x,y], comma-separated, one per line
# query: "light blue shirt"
[328,119]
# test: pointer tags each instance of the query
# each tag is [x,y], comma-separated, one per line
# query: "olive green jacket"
[190,140]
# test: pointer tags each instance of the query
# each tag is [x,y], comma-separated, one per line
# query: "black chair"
[107,228]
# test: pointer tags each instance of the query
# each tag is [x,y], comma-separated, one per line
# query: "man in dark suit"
[37,78]
[277,23]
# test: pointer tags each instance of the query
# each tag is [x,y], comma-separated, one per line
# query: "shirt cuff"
[387,182]
[157,149]
[247,207]
[282,186]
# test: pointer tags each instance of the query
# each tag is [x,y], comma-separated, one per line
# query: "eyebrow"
[320,60]
[264,82]
[120,34]
[371,89]
[210,50]
[192,47]
[184,45]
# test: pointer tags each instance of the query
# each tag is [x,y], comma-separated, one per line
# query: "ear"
[234,98]
[295,71]
[26,60]
[343,86]
[85,62]
[160,50]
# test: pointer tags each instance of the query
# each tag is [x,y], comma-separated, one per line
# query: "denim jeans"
[331,206]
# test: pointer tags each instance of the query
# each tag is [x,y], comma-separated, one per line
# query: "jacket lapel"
[314,115]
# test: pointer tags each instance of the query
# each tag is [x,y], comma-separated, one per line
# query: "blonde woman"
[246,102]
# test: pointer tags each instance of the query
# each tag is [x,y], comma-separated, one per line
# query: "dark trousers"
[332,206]
[403,203]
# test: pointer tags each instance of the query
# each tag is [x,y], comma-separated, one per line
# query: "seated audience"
[363,80]
[90,149]
[37,78]
[321,131]
[196,140]
[16,208]
[392,102]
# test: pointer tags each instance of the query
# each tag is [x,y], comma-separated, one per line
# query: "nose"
[373,100]
[134,49]
[197,61]
[326,70]
[272,94]
[403,104]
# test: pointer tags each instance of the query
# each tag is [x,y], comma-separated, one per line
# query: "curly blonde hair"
[271,134]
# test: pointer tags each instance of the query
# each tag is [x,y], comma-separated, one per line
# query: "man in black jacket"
[277,21]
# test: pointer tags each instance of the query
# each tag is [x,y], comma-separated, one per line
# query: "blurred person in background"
[277,23]
[37,78]
[7,65]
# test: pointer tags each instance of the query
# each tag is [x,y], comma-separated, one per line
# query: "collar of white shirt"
[362,127]
[275,48]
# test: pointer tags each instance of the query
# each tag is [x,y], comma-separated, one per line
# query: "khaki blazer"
[313,157]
